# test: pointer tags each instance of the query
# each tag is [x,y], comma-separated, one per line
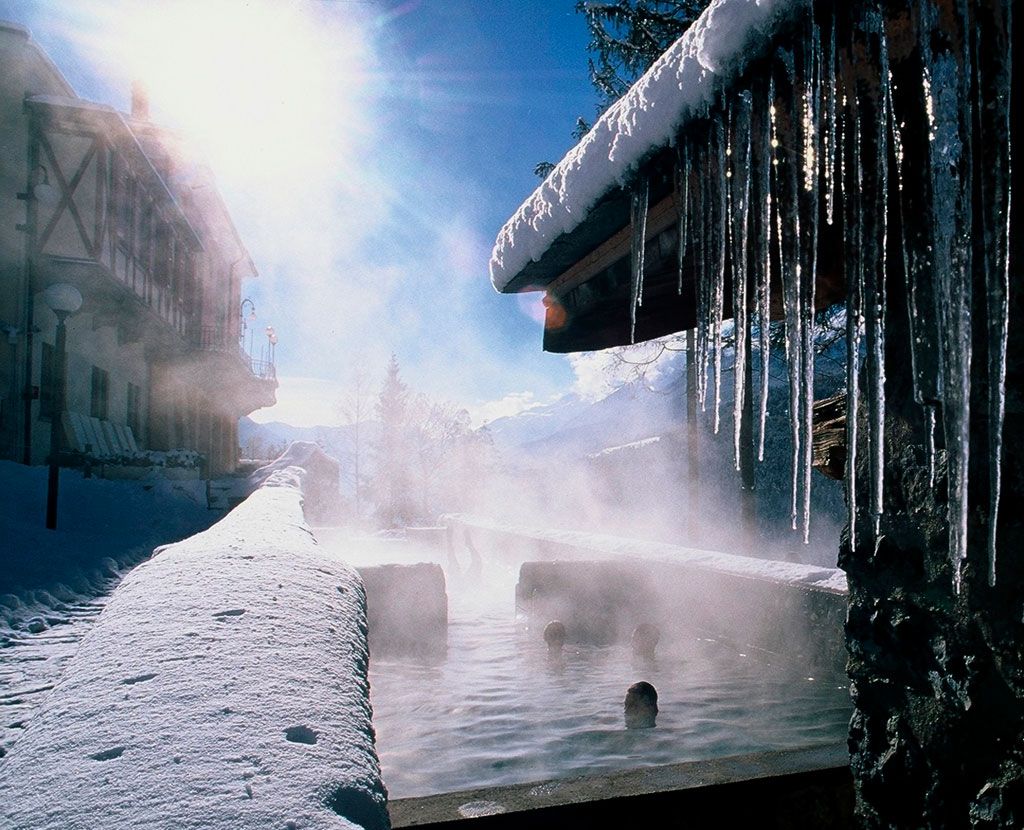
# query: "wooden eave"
[603,320]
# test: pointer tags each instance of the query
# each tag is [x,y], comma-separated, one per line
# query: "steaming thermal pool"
[498,709]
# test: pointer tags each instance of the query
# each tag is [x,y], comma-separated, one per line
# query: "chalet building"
[105,202]
[786,156]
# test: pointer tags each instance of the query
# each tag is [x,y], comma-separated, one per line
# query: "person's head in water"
[554,635]
[645,640]
[640,706]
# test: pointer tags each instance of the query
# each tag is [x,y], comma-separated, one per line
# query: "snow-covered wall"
[224,686]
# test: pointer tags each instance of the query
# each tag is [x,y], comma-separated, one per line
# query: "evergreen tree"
[393,478]
[627,36]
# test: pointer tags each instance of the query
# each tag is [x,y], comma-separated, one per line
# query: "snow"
[794,574]
[632,445]
[224,685]
[97,520]
[680,83]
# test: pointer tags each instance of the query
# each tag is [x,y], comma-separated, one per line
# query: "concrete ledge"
[603,601]
[406,608]
[806,788]
[602,586]
[223,686]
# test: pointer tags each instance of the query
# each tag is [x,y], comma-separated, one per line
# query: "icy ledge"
[677,87]
[223,686]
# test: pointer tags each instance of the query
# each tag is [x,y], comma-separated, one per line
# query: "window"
[100,393]
[163,256]
[134,409]
[47,382]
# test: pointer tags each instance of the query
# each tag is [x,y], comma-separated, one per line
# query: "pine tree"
[627,36]
[392,480]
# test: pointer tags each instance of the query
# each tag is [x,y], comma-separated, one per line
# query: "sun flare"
[263,87]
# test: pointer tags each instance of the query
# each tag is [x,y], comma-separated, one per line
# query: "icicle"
[809,211]
[683,190]
[788,231]
[992,84]
[948,109]
[701,212]
[763,199]
[719,237]
[851,174]
[929,414]
[829,138]
[739,216]
[638,225]
[875,245]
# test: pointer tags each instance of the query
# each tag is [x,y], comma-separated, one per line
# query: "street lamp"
[42,191]
[63,300]
[271,342]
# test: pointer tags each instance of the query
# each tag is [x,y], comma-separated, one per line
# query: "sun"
[268,88]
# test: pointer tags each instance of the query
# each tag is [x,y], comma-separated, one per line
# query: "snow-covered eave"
[678,87]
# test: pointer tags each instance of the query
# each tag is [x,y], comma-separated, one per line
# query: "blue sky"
[384,145]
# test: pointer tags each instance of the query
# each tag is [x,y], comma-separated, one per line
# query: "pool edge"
[806,787]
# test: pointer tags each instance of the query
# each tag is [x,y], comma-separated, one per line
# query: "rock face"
[937,738]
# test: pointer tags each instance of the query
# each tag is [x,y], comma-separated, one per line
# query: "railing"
[217,339]
[263,369]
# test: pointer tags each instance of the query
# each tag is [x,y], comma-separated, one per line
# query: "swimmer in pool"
[640,706]
[645,640]
[554,635]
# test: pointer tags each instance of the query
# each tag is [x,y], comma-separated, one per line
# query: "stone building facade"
[107,202]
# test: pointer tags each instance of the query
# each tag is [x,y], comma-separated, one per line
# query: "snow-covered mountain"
[576,427]
[270,439]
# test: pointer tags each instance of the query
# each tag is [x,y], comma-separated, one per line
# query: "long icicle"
[992,85]
[720,241]
[829,137]
[948,107]
[766,149]
[739,218]
[683,196]
[875,244]
[850,172]
[638,224]
[810,141]
[789,171]
[701,214]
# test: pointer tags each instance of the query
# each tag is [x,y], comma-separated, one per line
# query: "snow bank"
[679,84]
[223,686]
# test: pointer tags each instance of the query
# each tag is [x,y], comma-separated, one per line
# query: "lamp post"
[63,300]
[271,342]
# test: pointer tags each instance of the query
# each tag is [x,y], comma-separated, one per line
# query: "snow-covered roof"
[679,84]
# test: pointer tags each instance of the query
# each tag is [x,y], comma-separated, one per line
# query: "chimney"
[140,101]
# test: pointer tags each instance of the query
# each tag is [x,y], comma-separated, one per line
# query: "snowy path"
[32,663]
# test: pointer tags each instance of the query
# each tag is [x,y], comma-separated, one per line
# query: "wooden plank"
[659,217]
